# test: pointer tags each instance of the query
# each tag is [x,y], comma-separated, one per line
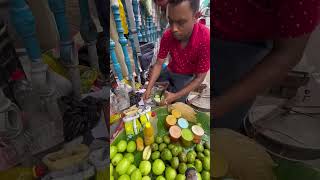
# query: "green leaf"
[162,113]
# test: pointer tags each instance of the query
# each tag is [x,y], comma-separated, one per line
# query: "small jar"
[170,121]
[154,121]
[128,125]
[186,137]
[198,133]
[183,123]
[175,133]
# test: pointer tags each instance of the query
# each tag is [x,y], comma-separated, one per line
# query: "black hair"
[193,3]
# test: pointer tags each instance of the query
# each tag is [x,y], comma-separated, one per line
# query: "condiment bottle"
[148,134]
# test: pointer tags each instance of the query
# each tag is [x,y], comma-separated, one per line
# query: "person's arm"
[156,70]
[272,69]
[196,82]
[157,67]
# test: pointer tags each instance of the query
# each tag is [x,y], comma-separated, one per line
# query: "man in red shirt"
[256,43]
[188,43]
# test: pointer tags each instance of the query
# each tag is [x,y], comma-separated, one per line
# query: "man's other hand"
[168,98]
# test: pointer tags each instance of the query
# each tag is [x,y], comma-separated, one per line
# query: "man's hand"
[169,98]
[146,95]
[196,82]
[155,73]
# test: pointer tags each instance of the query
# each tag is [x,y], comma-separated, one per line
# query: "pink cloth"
[263,19]
[202,21]
[194,58]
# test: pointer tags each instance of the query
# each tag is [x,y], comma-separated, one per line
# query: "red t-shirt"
[263,19]
[194,58]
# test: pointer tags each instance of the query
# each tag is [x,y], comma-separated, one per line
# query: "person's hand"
[146,95]
[168,98]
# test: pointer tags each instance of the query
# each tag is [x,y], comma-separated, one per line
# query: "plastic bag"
[99,158]
[132,125]
[148,6]
[8,156]
[66,158]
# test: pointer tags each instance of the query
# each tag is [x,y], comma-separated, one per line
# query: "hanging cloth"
[123,17]
[148,6]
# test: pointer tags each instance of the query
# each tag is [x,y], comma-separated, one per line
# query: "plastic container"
[148,134]
[115,117]
[183,123]
[170,121]
[128,126]
[99,158]
[145,115]
[137,125]
[198,133]
[65,158]
[26,97]
[175,133]
[154,121]
[8,155]
[143,118]
[132,125]
[186,137]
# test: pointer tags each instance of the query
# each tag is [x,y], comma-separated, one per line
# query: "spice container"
[183,123]
[128,126]
[154,121]
[136,125]
[186,137]
[115,117]
[148,134]
[175,133]
[148,112]
[198,133]
[132,125]
[170,121]
[145,115]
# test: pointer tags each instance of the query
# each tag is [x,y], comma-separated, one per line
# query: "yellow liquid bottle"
[148,134]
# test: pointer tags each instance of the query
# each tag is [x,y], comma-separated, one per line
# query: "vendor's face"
[181,19]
